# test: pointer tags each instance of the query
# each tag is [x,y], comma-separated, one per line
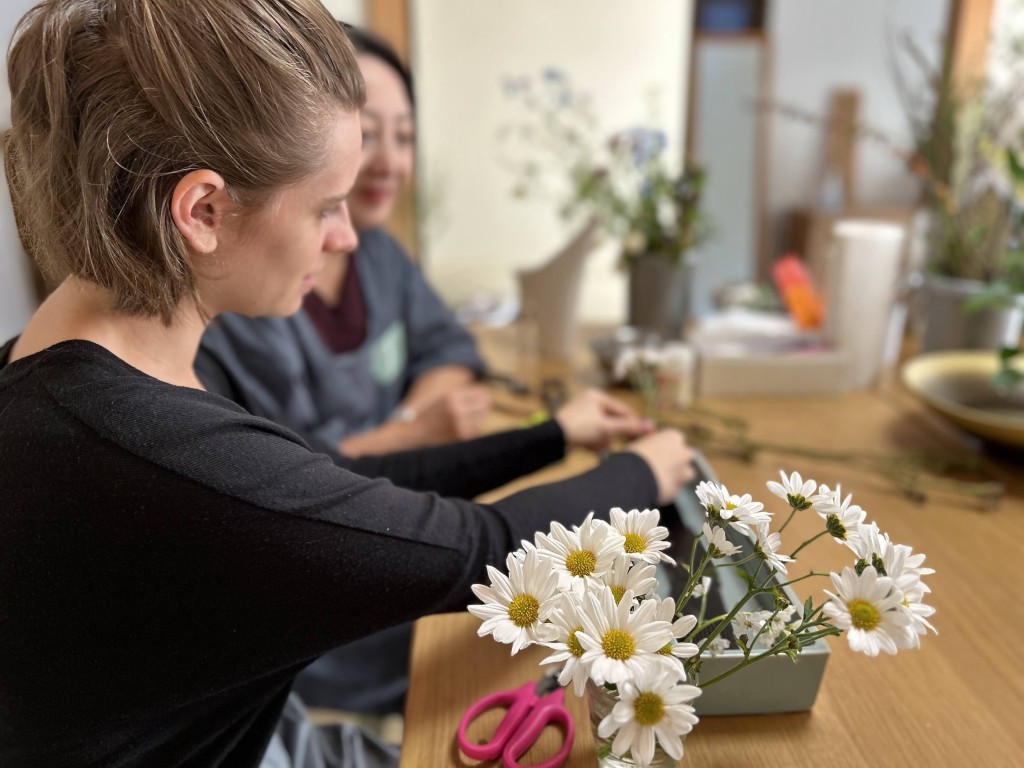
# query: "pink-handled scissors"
[531,708]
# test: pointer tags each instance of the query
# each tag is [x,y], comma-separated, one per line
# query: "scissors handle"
[550,710]
[519,702]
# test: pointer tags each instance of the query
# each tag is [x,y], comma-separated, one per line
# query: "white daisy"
[744,513]
[516,606]
[650,708]
[866,607]
[718,646]
[626,575]
[794,490]
[841,517]
[766,546]
[616,641]
[565,620]
[583,553]
[645,539]
[701,589]
[681,627]
[717,544]
[713,496]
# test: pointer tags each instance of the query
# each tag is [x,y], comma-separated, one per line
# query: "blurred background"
[797,113]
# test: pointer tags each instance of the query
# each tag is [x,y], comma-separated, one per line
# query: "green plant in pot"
[626,181]
[965,152]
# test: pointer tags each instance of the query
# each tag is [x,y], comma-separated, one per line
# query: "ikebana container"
[772,685]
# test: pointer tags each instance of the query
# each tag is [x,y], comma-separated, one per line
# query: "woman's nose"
[342,237]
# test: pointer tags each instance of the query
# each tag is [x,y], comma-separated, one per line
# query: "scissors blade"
[547,684]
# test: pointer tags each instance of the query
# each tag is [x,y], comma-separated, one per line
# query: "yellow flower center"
[581,563]
[635,543]
[666,650]
[524,610]
[618,644]
[730,506]
[617,593]
[863,614]
[648,709]
[574,644]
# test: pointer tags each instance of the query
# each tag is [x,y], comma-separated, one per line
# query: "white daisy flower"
[650,708]
[718,646]
[626,575]
[701,589]
[712,496]
[717,544]
[565,620]
[681,627]
[794,490]
[616,641]
[645,539]
[583,553]
[744,513]
[766,545]
[516,606]
[841,517]
[866,607]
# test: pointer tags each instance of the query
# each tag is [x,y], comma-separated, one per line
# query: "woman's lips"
[375,196]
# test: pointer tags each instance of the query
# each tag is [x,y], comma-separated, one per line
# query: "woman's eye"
[405,139]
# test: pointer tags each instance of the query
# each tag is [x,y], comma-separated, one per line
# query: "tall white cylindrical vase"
[863,270]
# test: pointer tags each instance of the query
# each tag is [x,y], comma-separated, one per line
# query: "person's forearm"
[388,438]
[436,382]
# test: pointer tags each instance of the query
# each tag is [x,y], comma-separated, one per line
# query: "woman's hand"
[670,459]
[594,420]
[456,415]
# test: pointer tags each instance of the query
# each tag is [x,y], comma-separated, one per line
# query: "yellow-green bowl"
[957,384]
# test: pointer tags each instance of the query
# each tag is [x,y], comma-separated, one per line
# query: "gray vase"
[659,294]
[946,324]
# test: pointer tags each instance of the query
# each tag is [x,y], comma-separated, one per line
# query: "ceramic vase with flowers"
[626,182]
[590,594]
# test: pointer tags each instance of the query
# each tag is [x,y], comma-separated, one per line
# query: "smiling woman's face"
[389,134]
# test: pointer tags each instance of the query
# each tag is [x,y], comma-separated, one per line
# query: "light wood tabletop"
[958,701]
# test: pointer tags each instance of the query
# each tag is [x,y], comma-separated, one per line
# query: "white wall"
[17,299]
[349,11]
[462,51]
[821,45]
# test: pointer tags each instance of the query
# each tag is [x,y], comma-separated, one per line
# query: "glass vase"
[601,701]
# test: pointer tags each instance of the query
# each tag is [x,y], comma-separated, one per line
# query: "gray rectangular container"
[775,684]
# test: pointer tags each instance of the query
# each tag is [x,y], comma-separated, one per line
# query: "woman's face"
[271,257]
[389,133]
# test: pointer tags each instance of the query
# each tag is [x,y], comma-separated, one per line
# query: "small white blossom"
[717,544]
[584,553]
[701,589]
[794,490]
[841,517]
[616,641]
[516,607]
[644,538]
[867,608]
[712,496]
[566,621]
[767,545]
[626,575]
[651,708]
[681,627]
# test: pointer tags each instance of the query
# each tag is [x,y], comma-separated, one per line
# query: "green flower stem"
[801,578]
[792,511]
[809,541]
[746,662]
[692,581]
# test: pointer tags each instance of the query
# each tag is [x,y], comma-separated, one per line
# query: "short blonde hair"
[114,101]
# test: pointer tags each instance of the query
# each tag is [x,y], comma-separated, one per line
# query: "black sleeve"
[465,469]
[468,468]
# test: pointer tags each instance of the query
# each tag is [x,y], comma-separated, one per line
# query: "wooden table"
[958,701]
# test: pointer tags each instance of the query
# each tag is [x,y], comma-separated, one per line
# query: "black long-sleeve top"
[166,559]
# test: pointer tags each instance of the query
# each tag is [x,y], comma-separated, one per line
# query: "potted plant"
[966,146]
[626,182]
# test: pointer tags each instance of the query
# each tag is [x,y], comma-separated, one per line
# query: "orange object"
[797,291]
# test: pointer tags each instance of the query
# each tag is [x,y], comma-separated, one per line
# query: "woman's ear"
[198,206]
